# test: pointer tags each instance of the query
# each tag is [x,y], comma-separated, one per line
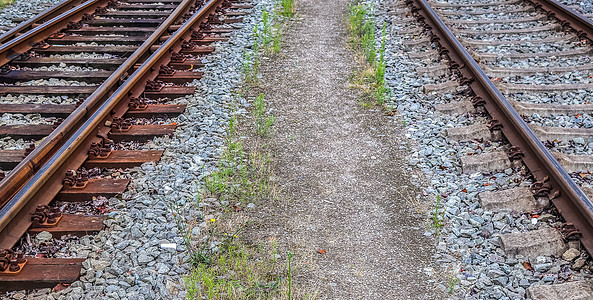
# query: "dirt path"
[341,172]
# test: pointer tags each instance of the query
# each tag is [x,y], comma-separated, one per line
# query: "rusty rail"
[566,195]
[46,15]
[568,17]
[26,41]
[66,148]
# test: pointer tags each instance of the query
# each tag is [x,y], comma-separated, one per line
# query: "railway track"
[100,74]
[521,70]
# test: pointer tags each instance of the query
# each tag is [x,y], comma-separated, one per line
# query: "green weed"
[249,67]
[453,281]
[287,8]
[277,39]
[438,217]
[266,31]
[362,26]
[235,274]
[263,120]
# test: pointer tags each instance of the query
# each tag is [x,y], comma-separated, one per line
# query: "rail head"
[568,17]
[566,195]
[44,16]
[25,42]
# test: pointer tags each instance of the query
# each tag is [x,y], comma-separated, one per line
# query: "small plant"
[357,13]
[368,38]
[277,38]
[438,217]
[249,67]
[453,281]
[263,121]
[289,275]
[287,8]
[274,250]
[266,32]
[267,35]
[251,62]
[362,28]
[382,92]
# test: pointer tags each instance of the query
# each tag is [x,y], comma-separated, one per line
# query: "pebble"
[579,263]
[571,254]
[43,236]
[144,258]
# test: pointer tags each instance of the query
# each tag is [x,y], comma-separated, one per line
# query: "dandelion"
[212,220]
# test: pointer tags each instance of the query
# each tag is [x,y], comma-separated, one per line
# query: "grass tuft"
[361,23]
[438,217]
[4,3]
[263,120]
[287,8]
[235,274]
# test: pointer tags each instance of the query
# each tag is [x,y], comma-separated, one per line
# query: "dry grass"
[4,3]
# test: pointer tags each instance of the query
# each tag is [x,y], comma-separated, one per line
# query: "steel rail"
[39,168]
[568,17]
[26,41]
[40,18]
[28,166]
[566,195]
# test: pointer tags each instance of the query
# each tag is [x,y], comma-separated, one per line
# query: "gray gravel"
[468,247]
[540,62]
[128,260]
[581,6]
[22,10]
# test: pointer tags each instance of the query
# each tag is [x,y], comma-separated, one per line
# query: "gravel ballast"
[130,259]
[469,249]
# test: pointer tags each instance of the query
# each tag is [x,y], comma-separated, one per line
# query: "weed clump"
[438,215]
[362,27]
[263,120]
[287,8]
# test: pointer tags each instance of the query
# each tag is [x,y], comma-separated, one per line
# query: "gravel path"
[341,172]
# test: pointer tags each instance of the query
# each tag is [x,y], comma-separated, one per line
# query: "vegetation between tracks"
[226,265]
[267,36]
[438,216]
[362,27]
[226,262]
